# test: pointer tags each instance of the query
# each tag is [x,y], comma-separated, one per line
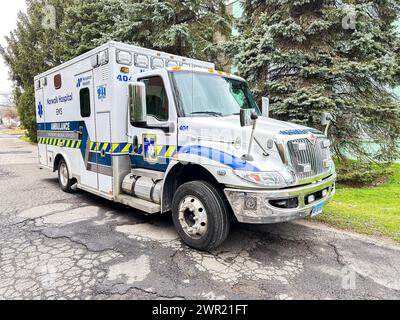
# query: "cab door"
[154,144]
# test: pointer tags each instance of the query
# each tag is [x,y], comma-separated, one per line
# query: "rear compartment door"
[41,121]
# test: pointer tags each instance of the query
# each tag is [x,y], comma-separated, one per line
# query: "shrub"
[27,112]
[358,173]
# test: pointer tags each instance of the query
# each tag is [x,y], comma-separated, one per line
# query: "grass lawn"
[15,132]
[26,139]
[373,211]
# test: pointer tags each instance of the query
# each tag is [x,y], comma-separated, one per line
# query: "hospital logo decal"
[149,143]
[40,110]
[83,81]
[101,92]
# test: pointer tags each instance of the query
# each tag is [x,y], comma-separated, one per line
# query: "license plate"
[317,209]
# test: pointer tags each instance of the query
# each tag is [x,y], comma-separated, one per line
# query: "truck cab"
[184,139]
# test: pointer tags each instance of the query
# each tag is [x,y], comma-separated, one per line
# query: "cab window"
[156,98]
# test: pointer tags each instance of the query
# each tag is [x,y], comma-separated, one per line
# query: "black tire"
[215,208]
[66,183]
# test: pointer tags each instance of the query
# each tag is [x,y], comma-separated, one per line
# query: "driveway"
[55,245]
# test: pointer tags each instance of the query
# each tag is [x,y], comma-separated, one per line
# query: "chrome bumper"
[262,211]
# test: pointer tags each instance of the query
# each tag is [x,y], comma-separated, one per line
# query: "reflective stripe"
[72,144]
[126,149]
[170,152]
[114,147]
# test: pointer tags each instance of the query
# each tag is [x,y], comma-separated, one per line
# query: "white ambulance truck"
[162,133]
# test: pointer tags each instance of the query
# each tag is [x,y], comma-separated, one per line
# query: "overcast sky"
[8,18]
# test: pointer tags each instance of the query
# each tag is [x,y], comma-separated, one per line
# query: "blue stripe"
[219,156]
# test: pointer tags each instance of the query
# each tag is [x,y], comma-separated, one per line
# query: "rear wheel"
[63,177]
[201,216]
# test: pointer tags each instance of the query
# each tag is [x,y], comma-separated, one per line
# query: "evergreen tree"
[32,48]
[311,56]
[180,27]
[85,24]
[188,28]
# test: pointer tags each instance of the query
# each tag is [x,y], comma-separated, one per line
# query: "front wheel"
[200,215]
[63,177]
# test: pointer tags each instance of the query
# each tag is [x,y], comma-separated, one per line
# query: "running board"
[136,203]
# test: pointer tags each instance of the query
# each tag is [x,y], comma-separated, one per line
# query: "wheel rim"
[63,174]
[193,217]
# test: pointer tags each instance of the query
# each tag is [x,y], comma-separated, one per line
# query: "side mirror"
[265,107]
[326,118]
[137,103]
[247,117]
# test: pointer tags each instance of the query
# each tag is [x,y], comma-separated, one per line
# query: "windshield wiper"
[213,113]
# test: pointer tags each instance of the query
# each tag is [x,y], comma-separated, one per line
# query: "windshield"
[201,94]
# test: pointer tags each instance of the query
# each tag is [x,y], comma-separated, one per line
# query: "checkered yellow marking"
[170,152]
[112,148]
[126,149]
[71,144]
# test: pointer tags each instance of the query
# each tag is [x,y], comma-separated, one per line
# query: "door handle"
[103,153]
[135,144]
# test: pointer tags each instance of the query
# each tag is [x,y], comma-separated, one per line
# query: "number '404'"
[124,78]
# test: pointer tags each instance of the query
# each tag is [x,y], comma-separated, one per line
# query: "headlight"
[268,179]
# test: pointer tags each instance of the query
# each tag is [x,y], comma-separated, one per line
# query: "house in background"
[8,113]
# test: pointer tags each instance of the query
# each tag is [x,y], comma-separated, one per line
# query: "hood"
[228,128]
[226,134]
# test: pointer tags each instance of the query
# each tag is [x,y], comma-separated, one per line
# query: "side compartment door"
[157,140]
[85,93]
[103,146]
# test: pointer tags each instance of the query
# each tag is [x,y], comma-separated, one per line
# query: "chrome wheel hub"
[64,174]
[193,217]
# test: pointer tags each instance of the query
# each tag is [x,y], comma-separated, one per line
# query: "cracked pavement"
[55,245]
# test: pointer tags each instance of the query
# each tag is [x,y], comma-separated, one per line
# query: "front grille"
[313,156]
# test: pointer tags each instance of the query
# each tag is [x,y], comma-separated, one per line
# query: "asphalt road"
[59,246]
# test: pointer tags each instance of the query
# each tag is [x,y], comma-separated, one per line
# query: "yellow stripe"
[114,147]
[158,150]
[126,149]
[91,145]
[72,145]
[97,146]
[68,143]
[105,146]
[78,145]
[170,152]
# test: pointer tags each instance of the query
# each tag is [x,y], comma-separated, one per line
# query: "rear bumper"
[253,206]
